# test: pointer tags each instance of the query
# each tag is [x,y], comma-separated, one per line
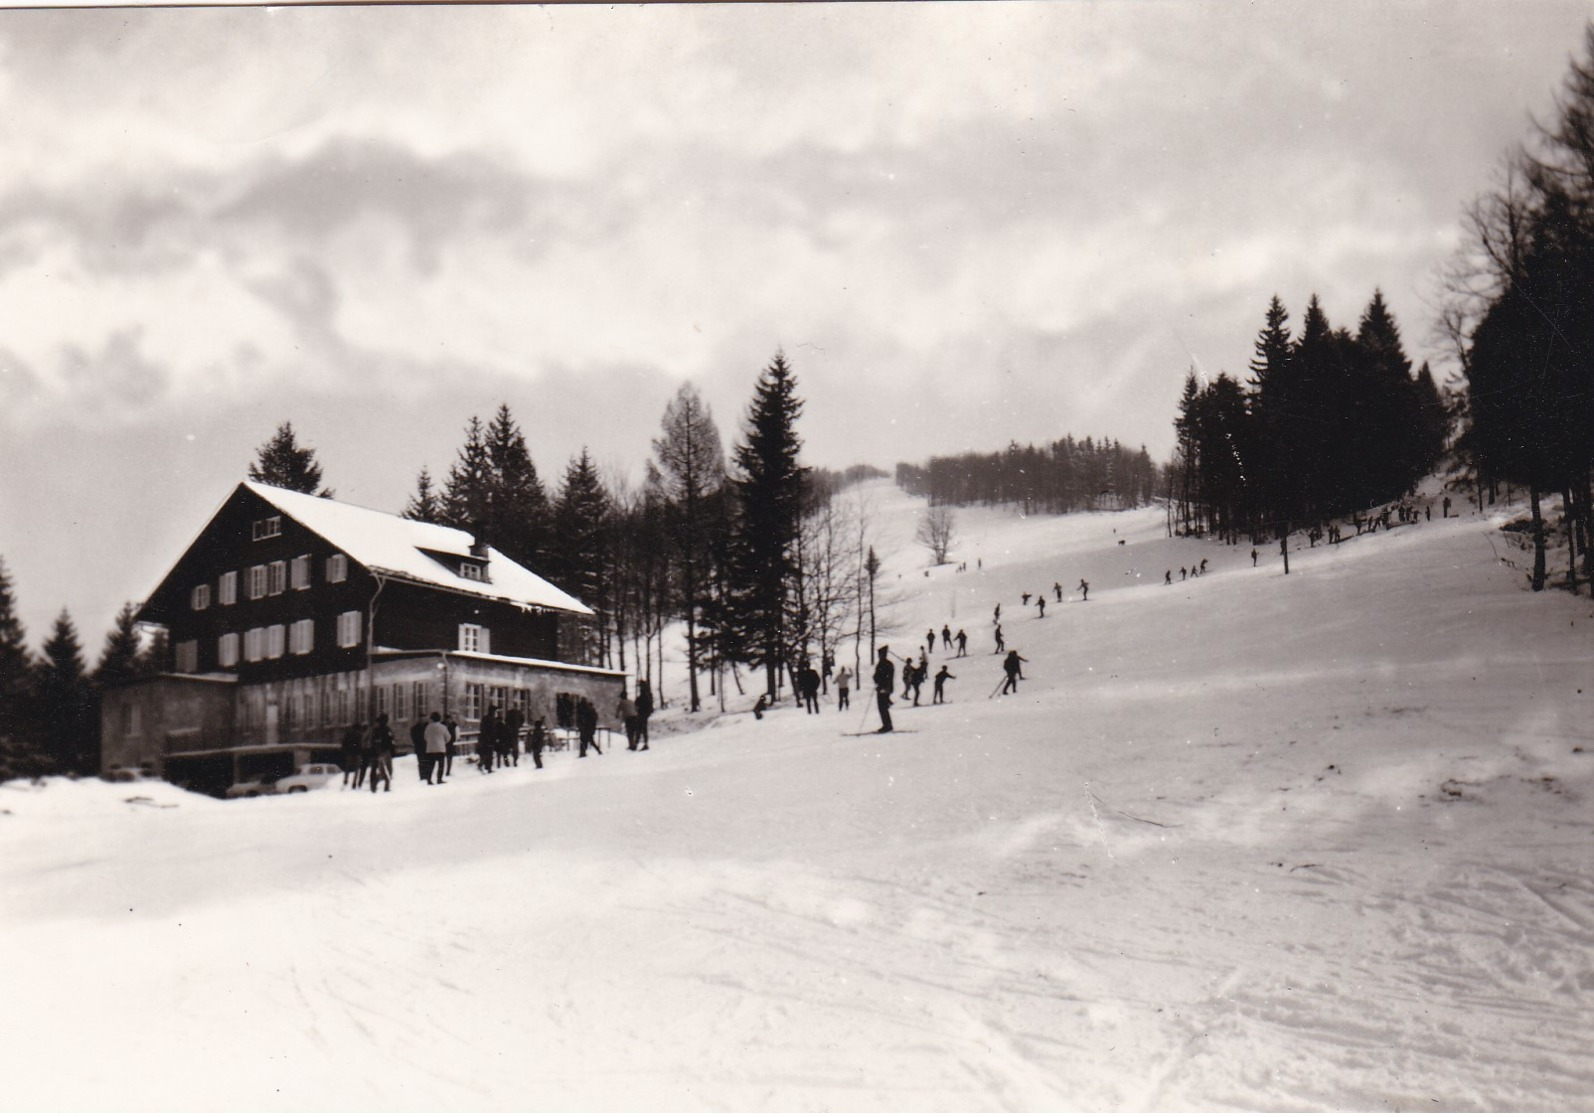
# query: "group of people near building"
[368,751]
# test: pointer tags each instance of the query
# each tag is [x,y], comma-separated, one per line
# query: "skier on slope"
[885,681]
[1010,665]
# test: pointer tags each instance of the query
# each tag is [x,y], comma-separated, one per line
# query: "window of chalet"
[473,570]
[473,702]
[474,638]
[276,641]
[255,645]
[419,697]
[227,649]
[381,701]
[268,528]
[337,568]
[228,586]
[200,597]
[278,577]
[300,574]
[401,704]
[326,704]
[256,587]
[303,637]
[565,710]
[349,629]
[188,657]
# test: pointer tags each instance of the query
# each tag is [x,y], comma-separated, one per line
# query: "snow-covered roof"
[387,544]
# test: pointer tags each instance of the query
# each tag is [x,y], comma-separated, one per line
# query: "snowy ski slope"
[1247,841]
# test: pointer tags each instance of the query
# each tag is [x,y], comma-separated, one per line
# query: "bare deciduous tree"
[936,531]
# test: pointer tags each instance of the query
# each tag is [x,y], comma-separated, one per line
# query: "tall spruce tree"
[467,491]
[769,491]
[517,503]
[581,562]
[425,505]
[119,658]
[282,462]
[64,703]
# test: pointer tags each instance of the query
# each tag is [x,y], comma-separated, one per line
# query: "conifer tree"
[517,503]
[282,462]
[467,491]
[425,505]
[63,702]
[581,561]
[16,669]
[119,658]
[769,490]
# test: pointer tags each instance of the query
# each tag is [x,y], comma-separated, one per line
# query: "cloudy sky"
[964,223]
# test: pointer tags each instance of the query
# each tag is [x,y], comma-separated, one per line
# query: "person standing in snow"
[437,745]
[885,681]
[367,752]
[536,741]
[1084,589]
[625,710]
[487,740]
[946,637]
[644,710]
[1040,599]
[418,743]
[808,681]
[920,674]
[1001,644]
[1057,588]
[941,677]
[963,643]
[382,748]
[351,752]
[453,744]
[513,721]
[843,688]
[587,727]
[929,639]
[1014,672]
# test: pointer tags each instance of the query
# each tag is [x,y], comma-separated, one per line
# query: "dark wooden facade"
[401,646]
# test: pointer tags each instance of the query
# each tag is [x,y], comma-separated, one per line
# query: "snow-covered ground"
[1248,841]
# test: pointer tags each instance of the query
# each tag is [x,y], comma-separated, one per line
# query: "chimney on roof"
[478,542]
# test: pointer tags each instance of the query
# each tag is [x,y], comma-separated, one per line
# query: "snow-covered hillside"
[1246,841]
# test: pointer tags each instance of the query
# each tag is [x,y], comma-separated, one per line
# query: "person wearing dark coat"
[885,681]
[809,680]
[351,752]
[1014,672]
[920,673]
[644,710]
[487,739]
[453,744]
[512,724]
[536,741]
[946,637]
[587,727]
[963,643]
[418,743]
[941,677]
[382,748]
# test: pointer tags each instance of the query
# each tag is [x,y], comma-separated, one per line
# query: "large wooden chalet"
[292,616]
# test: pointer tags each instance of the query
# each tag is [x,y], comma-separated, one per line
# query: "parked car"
[127,773]
[309,776]
[252,786]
